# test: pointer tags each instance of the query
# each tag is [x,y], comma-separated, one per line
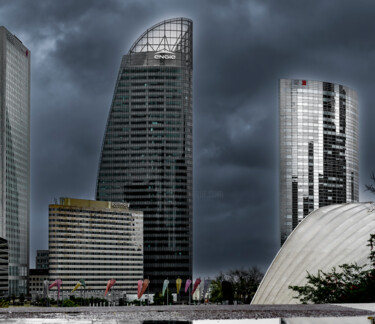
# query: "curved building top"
[169,42]
[328,237]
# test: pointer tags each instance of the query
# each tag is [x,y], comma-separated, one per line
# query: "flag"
[76,286]
[187,285]
[110,284]
[205,287]
[165,285]
[178,285]
[196,284]
[57,283]
[144,287]
[83,283]
[140,282]
[80,283]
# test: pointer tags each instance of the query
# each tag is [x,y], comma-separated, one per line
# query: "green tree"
[159,299]
[351,284]
[216,295]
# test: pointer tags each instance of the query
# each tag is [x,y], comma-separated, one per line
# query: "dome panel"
[328,237]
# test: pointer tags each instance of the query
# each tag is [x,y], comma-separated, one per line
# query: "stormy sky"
[241,49]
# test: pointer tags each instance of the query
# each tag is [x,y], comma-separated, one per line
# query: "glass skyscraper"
[15,156]
[147,150]
[319,159]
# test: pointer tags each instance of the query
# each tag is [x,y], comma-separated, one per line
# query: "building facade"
[15,156]
[319,158]
[36,281]
[42,259]
[147,149]
[95,241]
[4,267]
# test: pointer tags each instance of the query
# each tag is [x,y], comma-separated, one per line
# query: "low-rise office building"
[36,281]
[95,241]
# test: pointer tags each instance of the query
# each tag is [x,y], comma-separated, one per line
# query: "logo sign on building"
[164,55]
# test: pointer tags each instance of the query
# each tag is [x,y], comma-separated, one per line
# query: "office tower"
[95,241]
[42,259]
[318,148]
[147,149]
[15,156]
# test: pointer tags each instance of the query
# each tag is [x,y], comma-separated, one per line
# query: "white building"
[95,241]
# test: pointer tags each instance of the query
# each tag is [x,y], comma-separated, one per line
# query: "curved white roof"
[328,237]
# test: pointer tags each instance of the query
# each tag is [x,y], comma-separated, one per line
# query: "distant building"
[4,268]
[36,281]
[95,241]
[147,152]
[42,259]
[319,158]
[15,156]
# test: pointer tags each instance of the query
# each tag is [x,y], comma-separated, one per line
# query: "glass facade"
[15,156]
[319,163]
[146,156]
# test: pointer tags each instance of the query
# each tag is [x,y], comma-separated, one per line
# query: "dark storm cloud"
[241,49]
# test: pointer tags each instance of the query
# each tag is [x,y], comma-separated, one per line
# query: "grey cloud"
[241,49]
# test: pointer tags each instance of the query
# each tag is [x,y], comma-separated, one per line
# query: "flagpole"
[190,294]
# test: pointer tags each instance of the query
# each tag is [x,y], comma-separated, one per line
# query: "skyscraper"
[15,156]
[319,160]
[147,150]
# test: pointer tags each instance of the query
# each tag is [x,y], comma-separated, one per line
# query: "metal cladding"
[15,156]
[146,157]
[328,237]
[318,148]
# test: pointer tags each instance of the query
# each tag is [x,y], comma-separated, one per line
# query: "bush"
[3,303]
[69,303]
[351,284]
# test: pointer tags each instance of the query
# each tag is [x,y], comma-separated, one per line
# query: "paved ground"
[183,313]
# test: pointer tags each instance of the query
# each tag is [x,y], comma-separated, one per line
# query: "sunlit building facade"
[95,241]
[15,156]
[147,150]
[319,158]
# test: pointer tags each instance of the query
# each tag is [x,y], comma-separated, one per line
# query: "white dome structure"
[328,237]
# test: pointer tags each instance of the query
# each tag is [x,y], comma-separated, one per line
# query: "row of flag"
[58,283]
[142,286]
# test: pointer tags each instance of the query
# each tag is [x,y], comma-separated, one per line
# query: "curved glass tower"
[147,150]
[319,159]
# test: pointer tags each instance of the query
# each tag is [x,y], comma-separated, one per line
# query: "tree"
[351,284]
[371,187]
[159,299]
[22,298]
[244,284]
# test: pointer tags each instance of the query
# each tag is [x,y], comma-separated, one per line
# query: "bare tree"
[371,187]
